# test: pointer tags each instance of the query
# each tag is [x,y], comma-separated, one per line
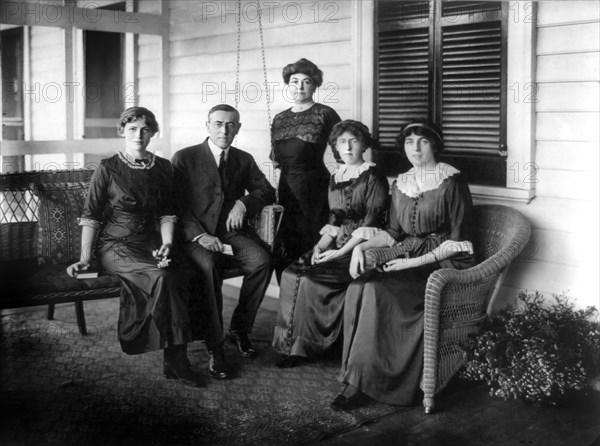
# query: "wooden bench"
[32,259]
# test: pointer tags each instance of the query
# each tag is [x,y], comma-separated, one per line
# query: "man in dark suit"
[211,181]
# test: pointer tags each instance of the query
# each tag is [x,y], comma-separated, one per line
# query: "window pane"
[46,91]
[12,84]
[103,83]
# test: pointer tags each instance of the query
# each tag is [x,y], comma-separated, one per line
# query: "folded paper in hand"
[227,249]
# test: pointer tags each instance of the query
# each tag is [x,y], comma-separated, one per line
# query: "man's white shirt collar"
[216,151]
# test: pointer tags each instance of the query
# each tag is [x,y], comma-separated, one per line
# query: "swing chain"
[237,63]
[264,58]
[264,61]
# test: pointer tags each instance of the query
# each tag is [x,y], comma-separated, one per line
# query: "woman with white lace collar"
[429,224]
[312,288]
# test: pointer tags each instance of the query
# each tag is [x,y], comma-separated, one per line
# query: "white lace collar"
[407,183]
[347,172]
[148,162]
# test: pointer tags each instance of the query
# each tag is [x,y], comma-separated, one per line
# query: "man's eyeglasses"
[228,125]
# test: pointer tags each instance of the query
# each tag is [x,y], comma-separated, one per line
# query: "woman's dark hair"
[355,128]
[426,129]
[133,113]
[303,66]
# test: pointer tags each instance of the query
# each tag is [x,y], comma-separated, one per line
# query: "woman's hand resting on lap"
[357,262]
[398,264]
[327,255]
[451,247]
[73,269]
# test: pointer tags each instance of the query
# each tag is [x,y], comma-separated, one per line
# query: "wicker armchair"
[457,302]
[25,283]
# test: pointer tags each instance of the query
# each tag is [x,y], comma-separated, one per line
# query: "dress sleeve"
[376,201]
[331,230]
[166,208]
[274,156]
[460,210]
[96,199]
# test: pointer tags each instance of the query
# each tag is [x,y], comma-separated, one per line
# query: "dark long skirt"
[303,194]
[153,311]
[311,305]
[383,334]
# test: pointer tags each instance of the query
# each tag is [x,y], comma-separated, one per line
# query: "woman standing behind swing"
[299,136]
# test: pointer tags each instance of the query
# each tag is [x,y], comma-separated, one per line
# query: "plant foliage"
[537,352]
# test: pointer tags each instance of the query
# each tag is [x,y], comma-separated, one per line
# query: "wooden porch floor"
[467,415]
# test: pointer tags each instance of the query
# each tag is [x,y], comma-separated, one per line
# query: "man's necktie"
[222,164]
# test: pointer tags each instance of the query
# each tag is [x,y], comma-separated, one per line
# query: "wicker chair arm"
[266,223]
[456,301]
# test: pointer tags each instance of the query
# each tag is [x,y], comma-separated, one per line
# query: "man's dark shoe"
[242,343]
[217,367]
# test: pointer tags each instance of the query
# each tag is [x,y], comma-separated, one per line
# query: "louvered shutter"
[471,89]
[450,70]
[403,76]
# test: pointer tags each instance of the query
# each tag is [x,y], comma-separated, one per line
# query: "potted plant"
[538,352]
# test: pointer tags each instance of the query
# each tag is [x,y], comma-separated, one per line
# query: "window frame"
[73,20]
[520,108]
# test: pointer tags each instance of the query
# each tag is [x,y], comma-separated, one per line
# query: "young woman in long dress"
[129,207]
[430,214]
[311,299]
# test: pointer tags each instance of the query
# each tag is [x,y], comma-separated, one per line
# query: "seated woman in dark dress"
[311,299]
[299,137]
[430,215]
[130,207]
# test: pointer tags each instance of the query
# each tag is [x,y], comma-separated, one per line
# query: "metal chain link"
[276,172]
[237,63]
[264,61]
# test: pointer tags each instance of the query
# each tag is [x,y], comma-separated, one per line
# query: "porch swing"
[266,223]
[264,59]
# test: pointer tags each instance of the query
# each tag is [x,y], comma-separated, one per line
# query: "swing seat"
[28,282]
[265,224]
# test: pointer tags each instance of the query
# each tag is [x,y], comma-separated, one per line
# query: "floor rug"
[59,387]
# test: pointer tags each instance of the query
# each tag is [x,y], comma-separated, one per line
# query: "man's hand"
[211,243]
[235,219]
